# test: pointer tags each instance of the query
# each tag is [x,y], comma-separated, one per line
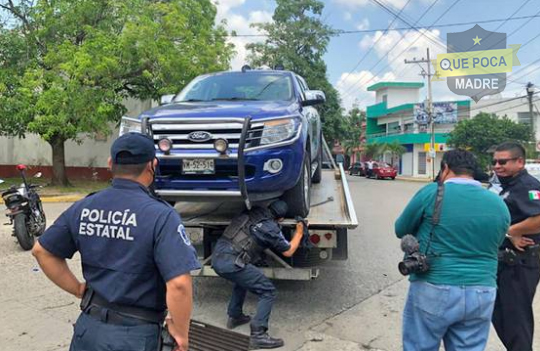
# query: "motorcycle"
[25,210]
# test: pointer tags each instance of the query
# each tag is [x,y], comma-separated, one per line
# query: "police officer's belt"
[512,257]
[91,300]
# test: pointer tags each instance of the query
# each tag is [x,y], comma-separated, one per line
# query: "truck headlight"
[128,125]
[279,130]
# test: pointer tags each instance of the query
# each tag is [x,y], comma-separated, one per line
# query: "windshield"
[256,86]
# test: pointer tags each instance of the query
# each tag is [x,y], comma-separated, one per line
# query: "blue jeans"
[460,316]
[251,279]
[92,334]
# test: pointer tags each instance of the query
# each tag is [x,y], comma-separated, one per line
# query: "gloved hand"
[305,243]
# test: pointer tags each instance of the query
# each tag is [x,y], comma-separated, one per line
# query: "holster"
[512,257]
[167,343]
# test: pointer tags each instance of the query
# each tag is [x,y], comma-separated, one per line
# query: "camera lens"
[404,268]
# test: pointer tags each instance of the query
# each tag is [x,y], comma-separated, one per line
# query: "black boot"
[259,339]
[237,321]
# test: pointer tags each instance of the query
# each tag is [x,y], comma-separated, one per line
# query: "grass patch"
[78,186]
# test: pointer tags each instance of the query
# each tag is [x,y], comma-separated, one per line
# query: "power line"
[513,32]
[411,44]
[371,48]
[339,32]
[402,36]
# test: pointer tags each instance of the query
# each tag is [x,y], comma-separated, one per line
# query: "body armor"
[238,233]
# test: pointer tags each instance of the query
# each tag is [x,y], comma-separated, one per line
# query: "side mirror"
[167,99]
[313,97]
[38,175]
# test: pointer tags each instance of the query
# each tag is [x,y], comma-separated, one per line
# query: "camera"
[414,261]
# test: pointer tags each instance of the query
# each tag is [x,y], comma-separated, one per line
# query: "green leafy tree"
[395,149]
[66,66]
[353,133]
[486,130]
[372,150]
[298,39]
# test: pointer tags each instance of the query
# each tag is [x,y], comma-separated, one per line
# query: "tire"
[298,198]
[24,237]
[317,176]
[393,178]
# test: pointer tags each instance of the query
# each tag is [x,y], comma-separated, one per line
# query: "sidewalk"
[375,325]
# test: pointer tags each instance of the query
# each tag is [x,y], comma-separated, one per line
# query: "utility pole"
[530,93]
[429,109]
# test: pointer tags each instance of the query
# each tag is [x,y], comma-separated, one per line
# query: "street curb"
[415,180]
[59,198]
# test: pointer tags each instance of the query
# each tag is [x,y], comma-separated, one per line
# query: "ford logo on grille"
[199,136]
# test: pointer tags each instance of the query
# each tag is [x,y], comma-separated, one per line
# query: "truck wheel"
[317,176]
[298,198]
[24,237]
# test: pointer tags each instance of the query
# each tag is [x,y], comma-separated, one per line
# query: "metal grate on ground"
[205,337]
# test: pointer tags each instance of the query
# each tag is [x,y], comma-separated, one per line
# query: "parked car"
[358,168]
[252,135]
[383,170]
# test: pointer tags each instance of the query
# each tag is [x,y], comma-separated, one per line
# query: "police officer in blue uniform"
[234,257]
[519,266]
[135,254]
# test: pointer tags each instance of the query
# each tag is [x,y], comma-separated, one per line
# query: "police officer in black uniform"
[519,266]
[237,250]
[135,254]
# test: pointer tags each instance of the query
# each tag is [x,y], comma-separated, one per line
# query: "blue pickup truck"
[252,135]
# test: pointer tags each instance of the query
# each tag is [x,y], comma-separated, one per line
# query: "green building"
[397,115]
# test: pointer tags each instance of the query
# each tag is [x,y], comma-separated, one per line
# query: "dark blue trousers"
[251,279]
[513,317]
[92,334]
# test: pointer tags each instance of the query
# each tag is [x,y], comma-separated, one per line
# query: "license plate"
[198,166]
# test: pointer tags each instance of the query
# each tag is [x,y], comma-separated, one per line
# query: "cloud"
[241,25]
[347,16]
[363,25]
[355,4]
[352,87]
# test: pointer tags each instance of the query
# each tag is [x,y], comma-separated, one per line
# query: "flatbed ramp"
[331,206]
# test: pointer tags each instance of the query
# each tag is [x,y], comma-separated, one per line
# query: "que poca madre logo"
[476,63]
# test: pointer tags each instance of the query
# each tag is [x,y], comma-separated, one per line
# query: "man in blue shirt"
[135,254]
[234,256]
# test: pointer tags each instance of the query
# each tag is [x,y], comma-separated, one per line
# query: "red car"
[383,170]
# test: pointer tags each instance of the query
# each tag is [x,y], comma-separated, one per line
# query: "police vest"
[238,233]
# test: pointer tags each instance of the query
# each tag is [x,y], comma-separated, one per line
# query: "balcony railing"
[399,132]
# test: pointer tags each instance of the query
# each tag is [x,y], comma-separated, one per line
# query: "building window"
[525,117]
[422,164]
[385,98]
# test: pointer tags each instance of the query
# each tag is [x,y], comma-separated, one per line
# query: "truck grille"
[179,134]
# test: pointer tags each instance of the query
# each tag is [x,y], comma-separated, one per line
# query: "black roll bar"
[241,165]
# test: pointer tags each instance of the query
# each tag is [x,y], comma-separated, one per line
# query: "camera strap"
[436,213]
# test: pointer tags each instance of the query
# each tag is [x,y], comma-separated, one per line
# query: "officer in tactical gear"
[234,257]
[136,258]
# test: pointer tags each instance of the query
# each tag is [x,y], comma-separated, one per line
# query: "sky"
[358,60]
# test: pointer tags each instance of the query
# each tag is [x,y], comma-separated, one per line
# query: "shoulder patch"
[534,195]
[183,234]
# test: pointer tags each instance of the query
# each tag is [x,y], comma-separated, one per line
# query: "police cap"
[278,208]
[132,148]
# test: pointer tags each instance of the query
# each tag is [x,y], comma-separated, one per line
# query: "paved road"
[353,305]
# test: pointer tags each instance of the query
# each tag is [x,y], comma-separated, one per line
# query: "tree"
[298,39]
[66,66]
[353,132]
[486,130]
[372,150]
[395,149]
